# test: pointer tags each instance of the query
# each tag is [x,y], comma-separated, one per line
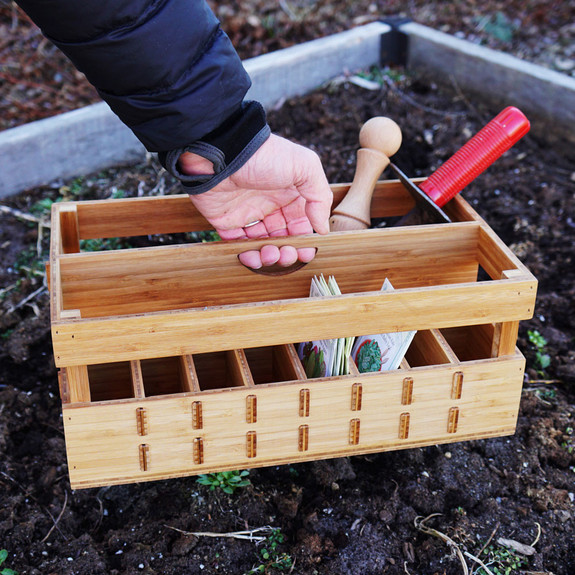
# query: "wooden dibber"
[379,139]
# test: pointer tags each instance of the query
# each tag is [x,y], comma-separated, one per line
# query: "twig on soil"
[23,216]
[538,535]
[517,546]
[28,494]
[471,107]
[419,523]
[479,562]
[27,299]
[249,535]
[391,84]
[489,539]
[58,519]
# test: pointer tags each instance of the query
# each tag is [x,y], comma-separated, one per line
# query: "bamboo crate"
[177,360]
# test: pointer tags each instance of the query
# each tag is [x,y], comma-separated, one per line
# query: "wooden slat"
[196,331]
[78,383]
[488,407]
[188,373]
[69,229]
[137,379]
[203,275]
[174,214]
[238,368]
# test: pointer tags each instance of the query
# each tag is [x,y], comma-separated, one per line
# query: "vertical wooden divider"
[505,335]
[238,367]
[137,379]
[78,383]
[189,374]
[69,229]
[287,363]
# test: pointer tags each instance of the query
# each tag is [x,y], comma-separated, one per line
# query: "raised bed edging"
[93,138]
[545,96]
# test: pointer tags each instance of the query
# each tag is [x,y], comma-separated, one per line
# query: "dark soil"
[351,516]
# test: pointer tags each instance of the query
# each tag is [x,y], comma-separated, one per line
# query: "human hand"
[282,187]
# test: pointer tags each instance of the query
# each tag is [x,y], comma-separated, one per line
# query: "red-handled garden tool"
[500,134]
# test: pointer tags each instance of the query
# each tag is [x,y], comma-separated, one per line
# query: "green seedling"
[227,481]
[99,245]
[502,561]
[539,343]
[271,556]
[5,570]
[498,26]
[29,266]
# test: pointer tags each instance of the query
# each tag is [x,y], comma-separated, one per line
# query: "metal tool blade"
[426,211]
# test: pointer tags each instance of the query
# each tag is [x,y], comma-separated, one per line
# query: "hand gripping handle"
[507,128]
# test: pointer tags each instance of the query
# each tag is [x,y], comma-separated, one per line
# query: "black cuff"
[228,147]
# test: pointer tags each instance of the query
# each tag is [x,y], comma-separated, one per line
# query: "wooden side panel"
[174,214]
[103,441]
[203,275]
[82,342]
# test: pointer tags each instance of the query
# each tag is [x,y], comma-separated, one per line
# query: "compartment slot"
[470,343]
[110,381]
[273,364]
[222,369]
[162,376]
[429,347]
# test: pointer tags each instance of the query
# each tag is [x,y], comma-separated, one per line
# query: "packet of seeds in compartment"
[381,352]
[328,357]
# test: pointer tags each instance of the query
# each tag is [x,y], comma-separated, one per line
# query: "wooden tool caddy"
[177,360]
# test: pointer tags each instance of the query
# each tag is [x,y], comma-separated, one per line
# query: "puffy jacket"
[168,70]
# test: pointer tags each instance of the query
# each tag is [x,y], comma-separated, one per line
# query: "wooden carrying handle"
[379,139]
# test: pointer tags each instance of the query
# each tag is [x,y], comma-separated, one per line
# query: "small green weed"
[271,556]
[379,75]
[227,481]
[5,570]
[569,444]
[539,343]
[28,265]
[502,561]
[42,207]
[498,26]
[204,237]
[99,245]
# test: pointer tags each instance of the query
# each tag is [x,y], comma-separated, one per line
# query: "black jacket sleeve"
[166,68]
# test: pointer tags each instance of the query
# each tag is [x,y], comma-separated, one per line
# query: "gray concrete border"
[546,97]
[92,138]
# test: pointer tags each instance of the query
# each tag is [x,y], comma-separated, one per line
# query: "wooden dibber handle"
[379,139]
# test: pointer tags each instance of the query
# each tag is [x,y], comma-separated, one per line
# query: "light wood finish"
[78,383]
[182,361]
[102,442]
[380,138]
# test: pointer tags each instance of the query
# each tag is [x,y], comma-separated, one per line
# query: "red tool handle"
[508,127]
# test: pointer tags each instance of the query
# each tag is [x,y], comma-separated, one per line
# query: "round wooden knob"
[379,138]
[381,134]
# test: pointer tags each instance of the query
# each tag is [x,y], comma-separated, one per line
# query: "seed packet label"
[318,357]
[329,357]
[381,352]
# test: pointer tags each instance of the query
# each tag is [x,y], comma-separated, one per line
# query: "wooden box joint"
[356,396]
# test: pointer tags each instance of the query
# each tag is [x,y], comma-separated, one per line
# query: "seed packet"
[329,357]
[381,352]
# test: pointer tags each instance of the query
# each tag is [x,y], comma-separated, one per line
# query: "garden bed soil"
[355,515]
